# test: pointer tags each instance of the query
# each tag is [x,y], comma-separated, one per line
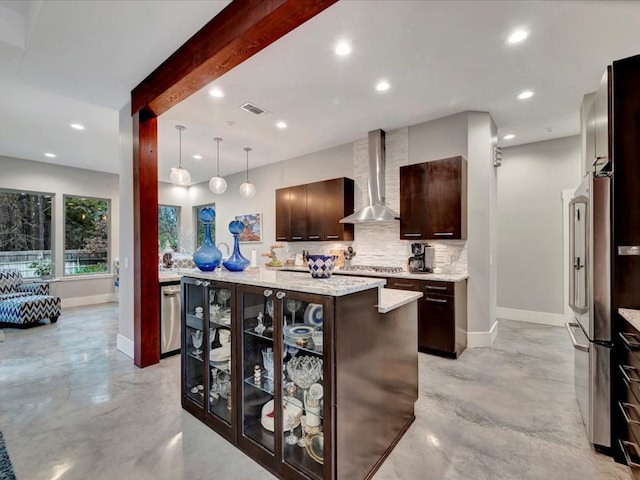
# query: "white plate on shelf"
[221,354]
[298,331]
[313,314]
[293,409]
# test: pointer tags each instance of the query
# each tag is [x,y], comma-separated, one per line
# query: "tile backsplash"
[380,243]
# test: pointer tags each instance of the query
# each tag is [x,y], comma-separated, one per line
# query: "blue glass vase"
[236,262]
[207,257]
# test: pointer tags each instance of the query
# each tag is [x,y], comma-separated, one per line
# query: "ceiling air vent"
[251,108]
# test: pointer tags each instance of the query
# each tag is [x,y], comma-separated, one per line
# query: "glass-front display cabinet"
[207,360]
[282,395]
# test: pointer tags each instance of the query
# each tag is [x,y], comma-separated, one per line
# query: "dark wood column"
[146,329]
[238,32]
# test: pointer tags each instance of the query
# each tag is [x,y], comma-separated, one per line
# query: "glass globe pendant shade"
[180,177]
[247,190]
[218,185]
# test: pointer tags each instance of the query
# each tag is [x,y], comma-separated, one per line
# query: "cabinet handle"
[632,345]
[436,300]
[281,238]
[296,238]
[623,369]
[624,405]
[627,458]
[443,234]
[412,234]
[268,293]
[333,236]
[198,283]
[431,287]
[205,284]
[410,285]
[314,237]
[280,295]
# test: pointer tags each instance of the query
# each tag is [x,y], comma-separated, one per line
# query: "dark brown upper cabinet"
[311,212]
[433,200]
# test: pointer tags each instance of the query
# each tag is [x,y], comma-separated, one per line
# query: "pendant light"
[180,176]
[217,184]
[247,189]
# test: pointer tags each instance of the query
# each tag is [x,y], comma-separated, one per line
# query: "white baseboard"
[482,339]
[544,318]
[89,300]
[125,345]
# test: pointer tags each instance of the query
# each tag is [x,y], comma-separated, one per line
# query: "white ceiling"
[68,61]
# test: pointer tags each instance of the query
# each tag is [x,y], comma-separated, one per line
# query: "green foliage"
[168,226]
[97,268]
[25,221]
[41,267]
[86,224]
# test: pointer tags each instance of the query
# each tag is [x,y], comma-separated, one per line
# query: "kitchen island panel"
[376,381]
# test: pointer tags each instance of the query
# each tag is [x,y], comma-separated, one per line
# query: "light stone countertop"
[632,316]
[440,277]
[388,299]
[296,281]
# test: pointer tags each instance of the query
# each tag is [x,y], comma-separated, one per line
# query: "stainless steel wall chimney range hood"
[376,210]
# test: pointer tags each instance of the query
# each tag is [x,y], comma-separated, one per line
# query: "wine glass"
[292,307]
[291,439]
[270,308]
[303,422]
[196,337]
[223,296]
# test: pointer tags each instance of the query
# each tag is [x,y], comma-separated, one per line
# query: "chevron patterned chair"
[22,303]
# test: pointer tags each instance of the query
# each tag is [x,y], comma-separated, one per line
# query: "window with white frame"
[86,235]
[25,232]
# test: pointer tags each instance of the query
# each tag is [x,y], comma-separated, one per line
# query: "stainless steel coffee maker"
[423,258]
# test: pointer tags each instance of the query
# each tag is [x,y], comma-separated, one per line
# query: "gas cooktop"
[372,268]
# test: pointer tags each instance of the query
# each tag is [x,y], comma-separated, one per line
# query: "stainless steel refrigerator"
[590,299]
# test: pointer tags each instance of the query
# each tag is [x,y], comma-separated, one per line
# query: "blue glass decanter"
[236,262]
[207,257]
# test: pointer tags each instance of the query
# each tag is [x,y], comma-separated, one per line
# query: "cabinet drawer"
[630,409]
[441,288]
[403,284]
[631,454]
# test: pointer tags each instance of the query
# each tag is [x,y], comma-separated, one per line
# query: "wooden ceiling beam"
[238,32]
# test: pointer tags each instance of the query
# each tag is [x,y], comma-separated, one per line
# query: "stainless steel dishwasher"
[170,337]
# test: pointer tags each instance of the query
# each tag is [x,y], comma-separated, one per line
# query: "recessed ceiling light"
[77,126]
[281,125]
[197,157]
[343,49]
[509,136]
[50,155]
[383,85]
[526,94]
[517,36]
[216,92]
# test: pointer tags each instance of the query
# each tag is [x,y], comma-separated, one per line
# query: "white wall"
[19,174]
[530,222]
[125,291]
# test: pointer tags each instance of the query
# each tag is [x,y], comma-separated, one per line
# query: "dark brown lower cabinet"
[257,392]
[442,314]
[626,404]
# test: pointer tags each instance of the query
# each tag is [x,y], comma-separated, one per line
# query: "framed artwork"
[252,232]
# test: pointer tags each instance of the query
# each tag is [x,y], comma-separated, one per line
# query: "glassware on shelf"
[305,370]
[303,422]
[196,337]
[223,296]
[292,307]
[270,308]
[291,439]
[260,328]
[267,361]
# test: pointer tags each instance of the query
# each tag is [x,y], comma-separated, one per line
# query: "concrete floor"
[72,407]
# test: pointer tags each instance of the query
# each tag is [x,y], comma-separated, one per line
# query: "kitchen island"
[271,358]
